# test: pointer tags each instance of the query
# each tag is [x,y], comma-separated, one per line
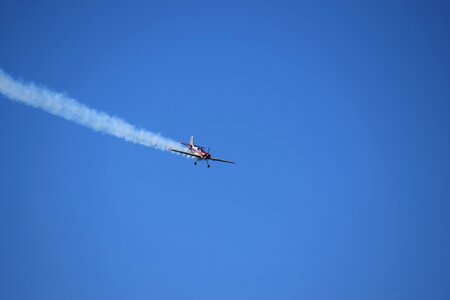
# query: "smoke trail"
[68,108]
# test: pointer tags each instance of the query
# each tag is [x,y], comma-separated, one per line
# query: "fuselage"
[199,151]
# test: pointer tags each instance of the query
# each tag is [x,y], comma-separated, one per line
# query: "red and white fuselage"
[197,150]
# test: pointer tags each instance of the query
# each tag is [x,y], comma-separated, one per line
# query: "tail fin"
[192,140]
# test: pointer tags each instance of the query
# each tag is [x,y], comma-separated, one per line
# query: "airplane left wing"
[222,160]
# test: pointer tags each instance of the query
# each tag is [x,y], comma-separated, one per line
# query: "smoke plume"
[72,110]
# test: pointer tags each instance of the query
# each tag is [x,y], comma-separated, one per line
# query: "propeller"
[209,150]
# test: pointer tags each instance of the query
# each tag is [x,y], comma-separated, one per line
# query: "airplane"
[199,152]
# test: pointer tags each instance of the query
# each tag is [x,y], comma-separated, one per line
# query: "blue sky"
[337,114]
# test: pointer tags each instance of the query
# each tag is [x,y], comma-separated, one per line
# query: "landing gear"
[195,162]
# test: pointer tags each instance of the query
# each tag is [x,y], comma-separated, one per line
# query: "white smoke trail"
[68,108]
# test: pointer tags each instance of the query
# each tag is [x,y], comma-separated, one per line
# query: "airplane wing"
[183,152]
[222,160]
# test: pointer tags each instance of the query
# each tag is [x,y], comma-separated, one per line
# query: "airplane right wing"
[184,152]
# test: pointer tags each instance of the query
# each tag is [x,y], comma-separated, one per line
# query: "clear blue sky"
[337,112]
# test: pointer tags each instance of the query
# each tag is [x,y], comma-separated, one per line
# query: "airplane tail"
[191,142]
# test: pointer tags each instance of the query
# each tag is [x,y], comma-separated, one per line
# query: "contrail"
[72,110]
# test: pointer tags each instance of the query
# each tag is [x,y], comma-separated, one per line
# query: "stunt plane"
[199,153]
